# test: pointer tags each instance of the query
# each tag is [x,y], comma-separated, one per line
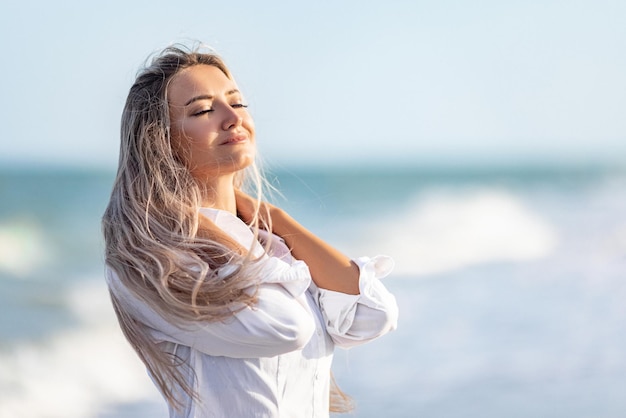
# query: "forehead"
[198,79]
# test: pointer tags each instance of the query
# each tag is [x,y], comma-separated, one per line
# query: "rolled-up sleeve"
[355,319]
[279,322]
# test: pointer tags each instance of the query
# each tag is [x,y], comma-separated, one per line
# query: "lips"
[235,139]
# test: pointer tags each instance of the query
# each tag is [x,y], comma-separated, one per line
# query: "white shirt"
[272,359]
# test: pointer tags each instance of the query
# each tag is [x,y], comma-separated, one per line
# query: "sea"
[510,280]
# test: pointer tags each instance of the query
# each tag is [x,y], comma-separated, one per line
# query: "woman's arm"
[330,269]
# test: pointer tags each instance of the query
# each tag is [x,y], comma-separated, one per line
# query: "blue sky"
[338,82]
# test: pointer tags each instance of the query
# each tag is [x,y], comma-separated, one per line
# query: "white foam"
[22,247]
[75,373]
[445,231]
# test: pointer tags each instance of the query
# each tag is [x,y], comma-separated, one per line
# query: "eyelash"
[234,106]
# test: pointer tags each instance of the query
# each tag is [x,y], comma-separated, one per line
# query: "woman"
[231,304]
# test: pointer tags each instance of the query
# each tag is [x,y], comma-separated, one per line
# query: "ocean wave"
[444,231]
[22,247]
[75,373]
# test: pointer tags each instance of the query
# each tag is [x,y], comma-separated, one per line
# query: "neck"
[219,193]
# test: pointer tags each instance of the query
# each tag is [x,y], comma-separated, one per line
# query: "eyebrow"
[209,97]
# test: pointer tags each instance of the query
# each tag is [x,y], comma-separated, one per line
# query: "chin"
[231,166]
[244,161]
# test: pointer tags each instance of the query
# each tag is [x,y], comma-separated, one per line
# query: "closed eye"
[202,112]
[238,105]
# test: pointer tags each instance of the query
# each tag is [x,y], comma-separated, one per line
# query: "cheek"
[183,136]
[248,123]
[198,131]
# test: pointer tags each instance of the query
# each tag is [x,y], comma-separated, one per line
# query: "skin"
[213,134]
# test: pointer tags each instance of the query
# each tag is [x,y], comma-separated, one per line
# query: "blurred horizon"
[487,164]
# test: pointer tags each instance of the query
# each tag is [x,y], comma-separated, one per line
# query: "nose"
[232,118]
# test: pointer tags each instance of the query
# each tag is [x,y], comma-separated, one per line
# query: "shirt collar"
[230,224]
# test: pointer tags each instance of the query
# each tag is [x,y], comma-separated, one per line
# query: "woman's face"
[212,131]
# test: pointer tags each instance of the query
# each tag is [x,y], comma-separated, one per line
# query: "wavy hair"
[161,248]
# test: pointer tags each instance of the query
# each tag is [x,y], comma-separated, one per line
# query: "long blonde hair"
[156,241]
